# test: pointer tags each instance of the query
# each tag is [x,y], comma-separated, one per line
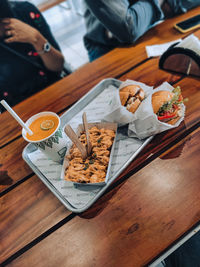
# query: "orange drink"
[47,135]
[42,127]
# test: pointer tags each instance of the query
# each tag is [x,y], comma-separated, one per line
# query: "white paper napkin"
[158,50]
[191,42]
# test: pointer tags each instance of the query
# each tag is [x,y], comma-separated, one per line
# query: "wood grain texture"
[12,167]
[150,74]
[190,89]
[10,156]
[67,91]
[159,142]
[139,217]
[134,222]
[44,5]
[26,212]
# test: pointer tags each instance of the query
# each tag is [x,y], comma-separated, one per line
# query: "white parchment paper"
[147,123]
[125,147]
[118,113]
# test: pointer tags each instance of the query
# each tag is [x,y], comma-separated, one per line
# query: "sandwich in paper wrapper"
[126,102]
[148,123]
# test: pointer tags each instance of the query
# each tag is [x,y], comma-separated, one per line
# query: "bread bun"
[123,97]
[141,94]
[132,89]
[131,97]
[133,106]
[159,98]
[173,121]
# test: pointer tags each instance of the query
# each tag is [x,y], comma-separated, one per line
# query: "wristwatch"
[46,48]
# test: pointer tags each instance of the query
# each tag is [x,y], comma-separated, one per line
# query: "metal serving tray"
[78,198]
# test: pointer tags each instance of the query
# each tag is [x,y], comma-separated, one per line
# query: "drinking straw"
[15,116]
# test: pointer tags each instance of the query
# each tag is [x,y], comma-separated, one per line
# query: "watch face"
[47,47]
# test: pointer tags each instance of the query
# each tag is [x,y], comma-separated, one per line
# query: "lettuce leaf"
[168,106]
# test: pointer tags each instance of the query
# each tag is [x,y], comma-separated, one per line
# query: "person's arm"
[126,22]
[18,31]
[178,7]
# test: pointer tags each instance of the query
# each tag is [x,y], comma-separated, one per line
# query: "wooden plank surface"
[44,5]
[135,221]
[71,88]
[10,156]
[148,154]
[12,167]
[147,73]
[27,212]
[31,202]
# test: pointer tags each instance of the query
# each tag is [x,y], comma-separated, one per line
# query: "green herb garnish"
[86,166]
[99,140]
[167,106]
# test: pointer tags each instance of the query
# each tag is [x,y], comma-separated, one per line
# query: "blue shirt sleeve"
[127,22]
[182,6]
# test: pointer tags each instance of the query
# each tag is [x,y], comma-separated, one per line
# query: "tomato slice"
[167,115]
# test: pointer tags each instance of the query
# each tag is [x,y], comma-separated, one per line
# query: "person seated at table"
[188,255]
[30,57]
[114,23]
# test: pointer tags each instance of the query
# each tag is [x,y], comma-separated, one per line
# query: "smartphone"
[189,24]
[5,11]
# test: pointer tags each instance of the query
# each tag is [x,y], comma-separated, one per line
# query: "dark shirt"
[19,77]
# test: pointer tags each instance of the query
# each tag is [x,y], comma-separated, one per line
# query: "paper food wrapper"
[80,129]
[116,112]
[147,123]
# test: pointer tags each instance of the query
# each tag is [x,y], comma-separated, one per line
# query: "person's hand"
[18,31]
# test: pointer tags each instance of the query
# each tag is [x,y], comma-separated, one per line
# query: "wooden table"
[151,206]
[46,4]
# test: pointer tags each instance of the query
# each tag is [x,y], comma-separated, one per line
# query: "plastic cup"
[53,146]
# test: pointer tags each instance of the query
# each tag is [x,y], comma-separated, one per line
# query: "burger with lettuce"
[168,106]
